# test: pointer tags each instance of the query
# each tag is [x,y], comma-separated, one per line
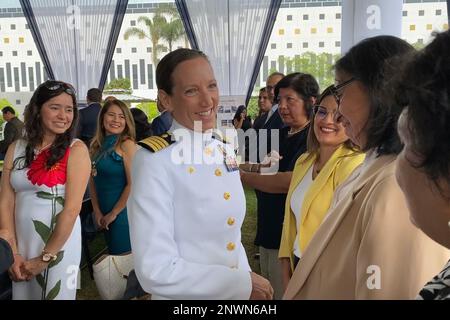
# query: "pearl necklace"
[292,132]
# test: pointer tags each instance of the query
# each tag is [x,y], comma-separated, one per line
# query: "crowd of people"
[352,182]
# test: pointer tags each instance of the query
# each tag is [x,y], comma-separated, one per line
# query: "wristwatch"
[48,257]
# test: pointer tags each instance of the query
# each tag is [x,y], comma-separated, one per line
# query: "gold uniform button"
[231,246]
[208,151]
[218,173]
[231,221]
[226,196]
[191,170]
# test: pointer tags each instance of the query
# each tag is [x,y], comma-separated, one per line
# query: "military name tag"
[230,161]
[231,164]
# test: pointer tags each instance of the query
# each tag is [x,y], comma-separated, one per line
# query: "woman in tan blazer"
[366,248]
[423,170]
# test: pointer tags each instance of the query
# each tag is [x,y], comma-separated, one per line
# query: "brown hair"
[128,133]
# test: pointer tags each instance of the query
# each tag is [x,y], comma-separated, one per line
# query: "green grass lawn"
[88,289]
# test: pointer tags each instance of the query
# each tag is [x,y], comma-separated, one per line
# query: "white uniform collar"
[205,136]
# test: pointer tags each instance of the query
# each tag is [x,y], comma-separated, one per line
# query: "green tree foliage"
[120,83]
[172,28]
[319,65]
[149,109]
[153,31]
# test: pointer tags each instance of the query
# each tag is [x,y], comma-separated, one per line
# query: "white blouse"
[296,205]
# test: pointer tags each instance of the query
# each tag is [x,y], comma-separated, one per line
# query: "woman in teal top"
[112,150]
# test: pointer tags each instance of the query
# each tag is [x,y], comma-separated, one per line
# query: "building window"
[29,53]
[297,31]
[405,13]
[421,13]
[305,44]
[21,40]
[338,16]
[289,17]
[14,53]
[1,53]
[329,30]
[273,46]
[420,41]
[149,49]
[281,32]
[13,27]
[313,30]
[305,17]
[438,12]
[321,44]
[119,50]
[289,46]
[412,27]
[18,101]
[133,50]
[6,40]
[337,44]
[133,23]
[322,16]
[429,26]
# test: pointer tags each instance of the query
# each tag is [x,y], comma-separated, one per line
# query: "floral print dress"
[40,195]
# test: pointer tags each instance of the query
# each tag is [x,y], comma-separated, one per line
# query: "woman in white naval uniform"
[187,203]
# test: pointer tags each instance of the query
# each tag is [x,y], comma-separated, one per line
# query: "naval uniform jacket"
[185,218]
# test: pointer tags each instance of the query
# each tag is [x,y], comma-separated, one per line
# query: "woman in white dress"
[44,178]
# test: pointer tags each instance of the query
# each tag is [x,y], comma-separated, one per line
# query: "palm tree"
[172,29]
[154,32]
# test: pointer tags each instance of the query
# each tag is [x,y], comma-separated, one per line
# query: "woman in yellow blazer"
[330,159]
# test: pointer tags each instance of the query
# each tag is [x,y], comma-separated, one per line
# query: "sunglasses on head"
[53,85]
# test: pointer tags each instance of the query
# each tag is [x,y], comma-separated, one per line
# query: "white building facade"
[301,26]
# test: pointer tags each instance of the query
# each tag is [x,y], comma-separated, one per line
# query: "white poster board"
[228,106]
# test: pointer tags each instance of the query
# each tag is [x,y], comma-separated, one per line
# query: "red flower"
[38,173]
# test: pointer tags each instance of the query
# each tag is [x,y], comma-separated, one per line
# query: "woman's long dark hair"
[373,62]
[247,123]
[34,129]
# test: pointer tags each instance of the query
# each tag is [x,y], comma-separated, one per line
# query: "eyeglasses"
[321,112]
[337,90]
[53,85]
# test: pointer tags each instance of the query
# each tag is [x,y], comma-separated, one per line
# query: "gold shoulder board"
[156,143]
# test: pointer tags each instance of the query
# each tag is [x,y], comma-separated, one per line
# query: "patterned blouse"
[438,288]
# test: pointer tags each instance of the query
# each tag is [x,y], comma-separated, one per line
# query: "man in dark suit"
[12,132]
[87,124]
[264,105]
[163,122]
[268,233]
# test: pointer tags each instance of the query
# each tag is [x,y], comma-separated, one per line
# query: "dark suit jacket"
[88,122]
[162,123]
[6,256]
[259,121]
[12,132]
